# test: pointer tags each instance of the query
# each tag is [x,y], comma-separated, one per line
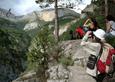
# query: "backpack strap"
[98,57]
[112,65]
[110,56]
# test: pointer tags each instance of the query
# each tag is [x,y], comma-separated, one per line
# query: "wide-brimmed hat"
[99,33]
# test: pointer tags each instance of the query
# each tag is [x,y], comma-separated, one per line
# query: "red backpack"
[101,67]
[80,32]
[109,58]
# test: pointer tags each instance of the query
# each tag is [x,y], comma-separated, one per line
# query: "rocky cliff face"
[49,14]
[36,19]
[44,16]
[75,73]
[6,13]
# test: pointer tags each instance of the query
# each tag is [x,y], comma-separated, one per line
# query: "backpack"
[110,77]
[80,32]
[104,60]
[110,56]
[112,62]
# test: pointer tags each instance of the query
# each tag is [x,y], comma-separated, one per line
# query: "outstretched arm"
[85,38]
[85,24]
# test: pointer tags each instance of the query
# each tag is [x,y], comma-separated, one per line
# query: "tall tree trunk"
[56,22]
[106,7]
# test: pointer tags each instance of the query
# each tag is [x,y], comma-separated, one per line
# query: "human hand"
[89,32]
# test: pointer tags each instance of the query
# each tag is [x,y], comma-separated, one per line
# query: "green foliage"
[101,7]
[32,33]
[12,24]
[20,24]
[66,61]
[18,38]
[13,48]
[5,21]
[77,24]
[99,3]
[64,21]
[41,47]
[101,21]
[66,35]
[13,41]
[111,40]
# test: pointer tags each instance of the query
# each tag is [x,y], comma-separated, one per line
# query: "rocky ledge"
[75,73]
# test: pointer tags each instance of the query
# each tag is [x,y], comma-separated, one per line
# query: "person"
[99,48]
[110,26]
[93,46]
[90,24]
[93,26]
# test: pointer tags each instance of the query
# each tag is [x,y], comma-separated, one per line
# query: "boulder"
[58,74]
[80,57]
[78,74]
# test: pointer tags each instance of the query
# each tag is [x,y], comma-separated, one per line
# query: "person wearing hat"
[98,36]
[110,26]
[99,48]
[93,46]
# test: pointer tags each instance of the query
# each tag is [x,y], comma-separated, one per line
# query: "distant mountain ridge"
[31,20]
[6,13]
[47,15]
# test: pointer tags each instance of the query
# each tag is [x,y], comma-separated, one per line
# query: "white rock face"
[90,8]
[30,26]
[49,15]
[80,57]
[58,74]
[46,16]
[78,74]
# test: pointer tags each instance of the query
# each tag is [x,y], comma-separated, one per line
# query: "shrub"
[66,61]
[111,40]
[13,48]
